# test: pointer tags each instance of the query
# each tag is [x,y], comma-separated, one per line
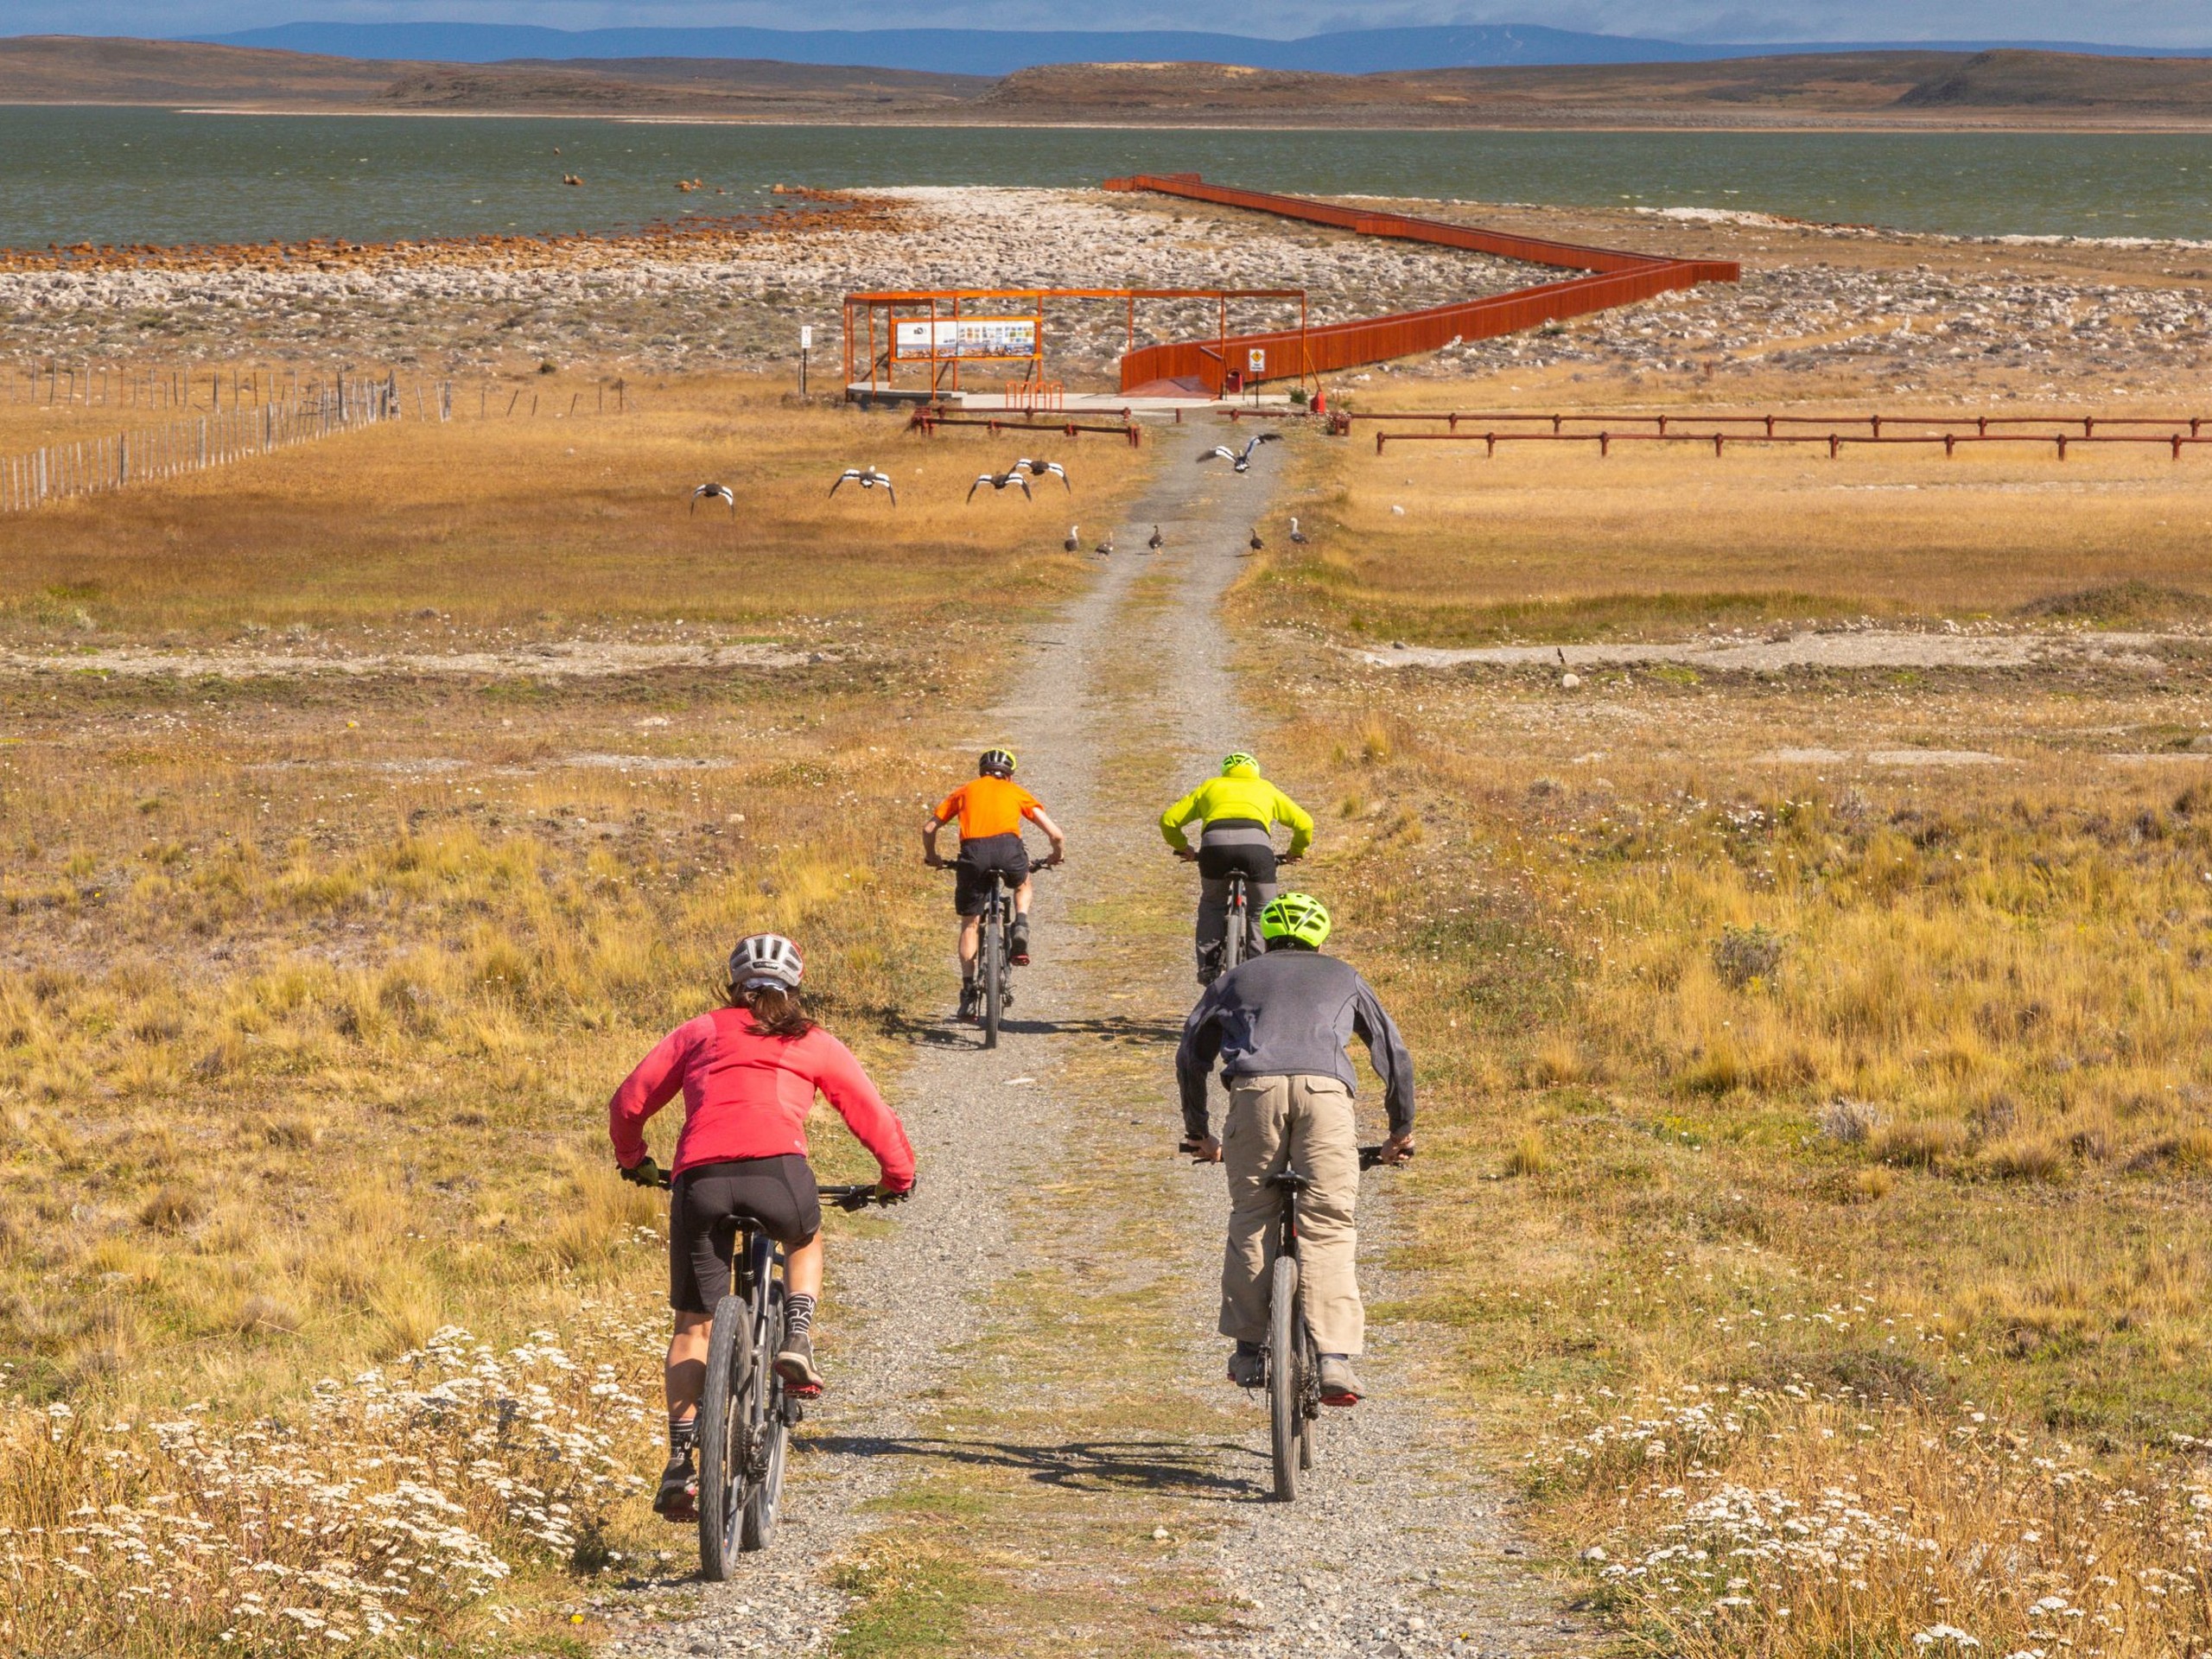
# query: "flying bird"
[1297,535]
[868,478]
[715,493]
[1000,480]
[1241,462]
[1157,540]
[1044,469]
[1074,541]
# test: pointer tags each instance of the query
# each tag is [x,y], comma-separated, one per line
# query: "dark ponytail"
[774,1010]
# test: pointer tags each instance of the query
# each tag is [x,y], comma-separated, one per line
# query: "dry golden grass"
[1542,544]
[313,985]
[1862,1104]
[547,525]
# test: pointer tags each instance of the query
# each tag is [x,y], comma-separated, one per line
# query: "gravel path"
[1397,1547]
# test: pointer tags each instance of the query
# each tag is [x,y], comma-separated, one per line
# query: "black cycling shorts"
[1237,844]
[777,1195]
[980,862]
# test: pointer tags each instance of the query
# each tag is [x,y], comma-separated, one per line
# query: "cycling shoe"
[1340,1382]
[795,1364]
[678,1496]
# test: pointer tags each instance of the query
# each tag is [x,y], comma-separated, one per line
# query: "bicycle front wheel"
[1286,1383]
[724,1440]
[765,1491]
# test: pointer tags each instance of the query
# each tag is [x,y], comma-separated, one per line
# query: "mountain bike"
[994,953]
[1294,1363]
[746,1416]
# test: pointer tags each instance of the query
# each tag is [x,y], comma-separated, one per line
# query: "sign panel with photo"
[966,338]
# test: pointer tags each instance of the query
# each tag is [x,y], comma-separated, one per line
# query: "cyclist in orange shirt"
[991,810]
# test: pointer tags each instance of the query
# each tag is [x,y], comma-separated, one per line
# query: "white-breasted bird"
[999,481]
[1297,535]
[868,478]
[1240,462]
[715,493]
[1074,540]
[1044,469]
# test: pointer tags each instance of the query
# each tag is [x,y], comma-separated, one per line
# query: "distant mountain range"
[1002,52]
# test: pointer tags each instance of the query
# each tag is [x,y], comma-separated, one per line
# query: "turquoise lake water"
[126,176]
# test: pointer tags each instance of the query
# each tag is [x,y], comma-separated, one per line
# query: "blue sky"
[2148,22]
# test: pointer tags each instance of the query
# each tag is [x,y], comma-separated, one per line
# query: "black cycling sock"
[683,1433]
[798,1314]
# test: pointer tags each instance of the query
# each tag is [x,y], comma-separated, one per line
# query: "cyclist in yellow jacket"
[1239,810]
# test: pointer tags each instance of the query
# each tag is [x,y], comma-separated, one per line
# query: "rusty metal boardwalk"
[1615,277]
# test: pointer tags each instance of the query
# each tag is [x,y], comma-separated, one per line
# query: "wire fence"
[79,467]
[220,415]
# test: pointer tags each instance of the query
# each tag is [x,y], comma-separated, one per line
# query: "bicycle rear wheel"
[1309,1393]
[1233,942]
[723,1437]
[1286,1384]
[771,1436]
[993,946]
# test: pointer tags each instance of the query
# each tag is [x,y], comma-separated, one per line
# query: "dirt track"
[1030,1350]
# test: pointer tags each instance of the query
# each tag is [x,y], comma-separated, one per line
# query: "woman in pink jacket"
[749,1073]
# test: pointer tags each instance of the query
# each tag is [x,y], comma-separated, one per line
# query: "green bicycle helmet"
[996,763]
[1235,759]
[1297,916]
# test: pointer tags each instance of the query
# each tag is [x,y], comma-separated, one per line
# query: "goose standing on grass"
[1258,546]
[999,481]
[1074,541]
[1297,536]
[1105,549]
[1044,469]
[715,493]
[868,478]
[1157,540]
[1240,462]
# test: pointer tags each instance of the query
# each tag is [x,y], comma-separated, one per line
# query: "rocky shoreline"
[729,295]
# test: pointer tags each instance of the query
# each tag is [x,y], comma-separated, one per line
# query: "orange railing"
[1617,278]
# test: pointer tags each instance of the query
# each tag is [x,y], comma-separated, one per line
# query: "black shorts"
[980,863]
[777,1195]
[1245,848]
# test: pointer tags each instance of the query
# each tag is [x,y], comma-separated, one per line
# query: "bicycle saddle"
[1290,1180]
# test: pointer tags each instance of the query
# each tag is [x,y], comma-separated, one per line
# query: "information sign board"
[921,340]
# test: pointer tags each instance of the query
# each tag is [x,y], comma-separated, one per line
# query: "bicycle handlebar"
[1369,1157]
[850,1198]
[854,1198]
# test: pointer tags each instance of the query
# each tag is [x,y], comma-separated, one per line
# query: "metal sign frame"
[873,356]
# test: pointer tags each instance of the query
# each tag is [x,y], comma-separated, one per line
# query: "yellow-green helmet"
[1235,759]
[1297,916]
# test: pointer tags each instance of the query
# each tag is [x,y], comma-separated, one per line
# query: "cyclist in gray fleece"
[1279,1025]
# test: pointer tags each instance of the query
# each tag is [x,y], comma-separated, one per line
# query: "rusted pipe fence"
[2176,441]
[1616,277]
[1342,421]
[927,418]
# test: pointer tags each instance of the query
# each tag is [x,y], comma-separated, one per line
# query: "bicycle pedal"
[802,1390]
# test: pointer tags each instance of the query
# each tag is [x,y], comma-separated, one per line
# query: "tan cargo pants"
[1304,1122]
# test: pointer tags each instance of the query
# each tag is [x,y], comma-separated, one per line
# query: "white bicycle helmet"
[766,959]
